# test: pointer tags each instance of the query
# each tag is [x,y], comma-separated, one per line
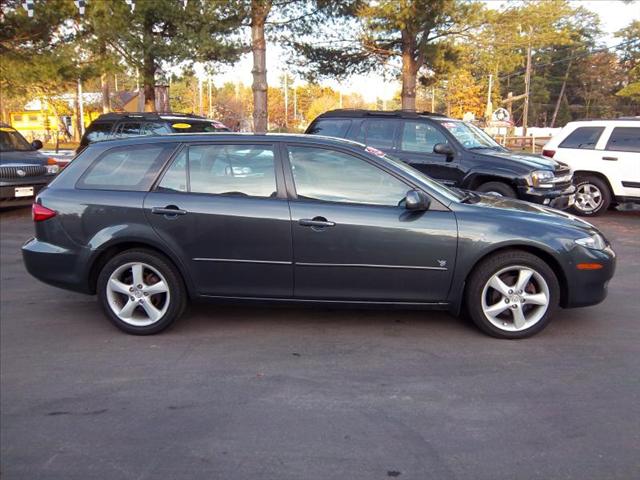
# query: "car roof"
[229,136]
[360,113]
[608,121]
[149,116]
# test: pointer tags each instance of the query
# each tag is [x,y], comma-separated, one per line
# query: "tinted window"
[126,168]
[330,128]
[583,137]
[98,131]
[420,137]
[246,170]
[379,133]
[322,174]
[129,129]
[624,139]
[11,140]
[155,128]
[190,126]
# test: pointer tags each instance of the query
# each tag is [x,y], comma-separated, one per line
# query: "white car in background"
[605,158]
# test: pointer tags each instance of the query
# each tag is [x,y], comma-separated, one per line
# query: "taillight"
[548,153]
[40,213]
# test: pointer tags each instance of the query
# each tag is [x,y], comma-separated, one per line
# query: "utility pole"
[433,99]
[564,85]
[286,100]
[209,113]
[80,109]
[200,104]
[489,110]
[527,83]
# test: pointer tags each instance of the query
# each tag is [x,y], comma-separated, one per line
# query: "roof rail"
[145,115]
[356,112]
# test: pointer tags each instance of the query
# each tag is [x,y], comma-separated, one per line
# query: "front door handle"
[316,222]
[613,159]
[169,210]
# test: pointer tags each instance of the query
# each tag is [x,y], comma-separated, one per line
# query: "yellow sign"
[181,125]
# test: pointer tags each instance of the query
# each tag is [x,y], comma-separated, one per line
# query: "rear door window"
[129,129]
[195,126]
[584,138]
[624,139]
[380,132]
[132,168]
[420,137]
[331,128]
[243,170]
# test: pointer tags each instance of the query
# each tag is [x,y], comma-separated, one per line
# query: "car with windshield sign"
[122,125]
[148,223]
[454,152]
[23,170]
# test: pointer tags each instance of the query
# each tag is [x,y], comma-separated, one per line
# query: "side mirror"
[444,149]
[416,201]
[36,144]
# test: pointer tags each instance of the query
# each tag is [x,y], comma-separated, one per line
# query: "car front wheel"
[592,196]
[512,295]
[141,292]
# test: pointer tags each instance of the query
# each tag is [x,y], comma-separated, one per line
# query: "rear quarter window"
[98,131]
[130,168]
[584,138]
[624,139]
[331,128]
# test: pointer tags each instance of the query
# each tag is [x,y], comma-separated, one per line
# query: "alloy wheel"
[138,294]
[588,198]
[515,298]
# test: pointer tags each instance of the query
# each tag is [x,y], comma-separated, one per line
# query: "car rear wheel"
[512,295]
[592,196]
[141,292]
[497,188]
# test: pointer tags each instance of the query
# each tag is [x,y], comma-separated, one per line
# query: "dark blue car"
[23,170]
[148,223]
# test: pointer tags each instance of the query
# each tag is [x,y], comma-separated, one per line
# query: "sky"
[614,15]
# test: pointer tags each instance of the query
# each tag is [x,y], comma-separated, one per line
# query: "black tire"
[176,298]
[489,267]
[500,188]
[594,184]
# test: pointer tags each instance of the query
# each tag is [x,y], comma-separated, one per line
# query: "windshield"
[446,192]
[470,136]
[190,126]
[12,141]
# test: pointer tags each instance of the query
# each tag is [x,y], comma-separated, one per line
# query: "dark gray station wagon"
[148,223]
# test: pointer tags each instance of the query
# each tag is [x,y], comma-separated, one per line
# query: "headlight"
[52,169]
[595,241]
[541,179]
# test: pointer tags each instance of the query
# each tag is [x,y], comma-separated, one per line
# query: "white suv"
[605,158]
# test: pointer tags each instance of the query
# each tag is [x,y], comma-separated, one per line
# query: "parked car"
[149,223]
[605,157]
[23,170]
[454,152]
[120,125]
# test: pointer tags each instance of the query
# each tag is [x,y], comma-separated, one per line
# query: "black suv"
[149,222]
[457,153]
[23,170]
[120,125]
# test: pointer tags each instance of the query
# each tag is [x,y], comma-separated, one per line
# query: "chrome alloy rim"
[515,298]
[588,197]
[138,294]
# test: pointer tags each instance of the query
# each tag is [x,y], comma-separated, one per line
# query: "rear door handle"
[610,158]
[316,222]
[171,210]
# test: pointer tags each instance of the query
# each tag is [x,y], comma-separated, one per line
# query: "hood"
[531,161]
[29,157]
[523,209]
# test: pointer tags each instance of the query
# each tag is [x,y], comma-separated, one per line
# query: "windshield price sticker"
[181,125]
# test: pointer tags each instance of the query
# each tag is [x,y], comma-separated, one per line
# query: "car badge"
[21,173]
[442,263]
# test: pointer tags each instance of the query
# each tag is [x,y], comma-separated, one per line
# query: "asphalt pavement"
[239,392]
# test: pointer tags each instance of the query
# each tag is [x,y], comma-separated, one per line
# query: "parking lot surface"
[236,392]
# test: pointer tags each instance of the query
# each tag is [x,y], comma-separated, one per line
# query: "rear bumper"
[56,265]
[589,287]
[561,198]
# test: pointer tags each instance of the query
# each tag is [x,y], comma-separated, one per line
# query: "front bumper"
[589,287]
[558,198]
